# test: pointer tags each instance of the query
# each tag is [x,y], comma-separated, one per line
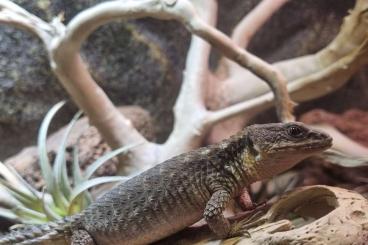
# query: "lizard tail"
[36,234]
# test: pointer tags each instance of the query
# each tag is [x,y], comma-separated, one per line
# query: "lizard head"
[276,147]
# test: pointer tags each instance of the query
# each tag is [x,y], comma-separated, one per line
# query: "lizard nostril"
[319,135]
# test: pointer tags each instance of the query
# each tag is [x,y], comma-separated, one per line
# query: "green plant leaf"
[21,196]
[60,171]
[12,179]
[50,214]
[9,214]
[76,171]
[27,213]
[27,186]
[21,200]
[45,165]
[7,200]
[100,161]
[85,198]
[46,170]
[78,190]
[19,189]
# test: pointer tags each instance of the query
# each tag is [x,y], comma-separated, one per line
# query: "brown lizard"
[182,190]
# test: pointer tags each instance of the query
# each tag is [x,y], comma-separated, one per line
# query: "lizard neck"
[230,156]
[246,163]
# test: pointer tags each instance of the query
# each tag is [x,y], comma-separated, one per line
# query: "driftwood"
[309,215]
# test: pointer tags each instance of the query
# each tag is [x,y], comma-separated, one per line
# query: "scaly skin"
[182,190]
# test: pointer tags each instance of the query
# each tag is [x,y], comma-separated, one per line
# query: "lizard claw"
[239,229]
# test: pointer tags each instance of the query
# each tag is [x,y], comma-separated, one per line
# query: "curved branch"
[90,19]
[13,15]
[189,110]
[305,88]
[196,66]
[182,10]
[256,65]
[253,21]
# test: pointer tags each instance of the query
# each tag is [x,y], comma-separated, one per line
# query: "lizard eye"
[295,131]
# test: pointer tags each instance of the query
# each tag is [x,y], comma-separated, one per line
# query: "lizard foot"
[238,229]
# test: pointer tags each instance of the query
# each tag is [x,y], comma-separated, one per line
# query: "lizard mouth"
[314,146]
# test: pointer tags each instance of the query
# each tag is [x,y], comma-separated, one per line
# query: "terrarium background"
[141,63]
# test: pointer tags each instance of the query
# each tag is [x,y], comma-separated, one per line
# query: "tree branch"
[250,24]
[182,10]
[302,89]
[265,71]
[233,90]
[351,35]
[189,110]
[196,67]
[253,21]
[13,15]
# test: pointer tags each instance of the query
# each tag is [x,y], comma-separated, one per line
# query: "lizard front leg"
[213,213]
[81,237]
[215,219]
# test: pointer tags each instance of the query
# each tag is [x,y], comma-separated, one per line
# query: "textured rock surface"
[141,62]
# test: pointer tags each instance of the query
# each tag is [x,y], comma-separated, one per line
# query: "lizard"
[182,190]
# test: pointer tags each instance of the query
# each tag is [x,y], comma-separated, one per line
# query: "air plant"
[62,195]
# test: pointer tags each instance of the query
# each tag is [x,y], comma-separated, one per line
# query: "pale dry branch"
[13,15]
[74,75]
[331,77]
[253,21]
[325,71]
[87,21]
[182,10]
[250,24]
[305,88]
[265,71]
[196,67]
[190,109]
[351,35]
